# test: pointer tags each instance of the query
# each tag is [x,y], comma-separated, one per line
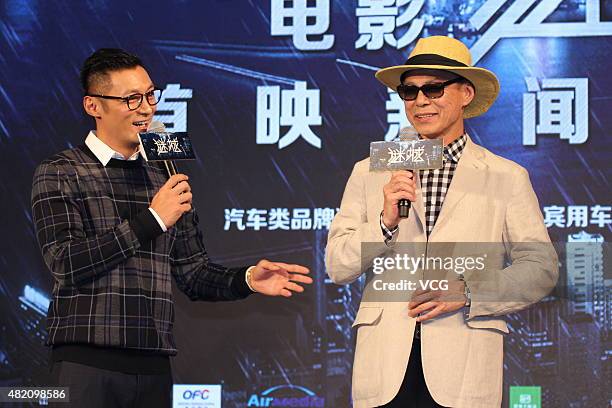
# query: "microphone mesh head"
[408,133]
[157,127]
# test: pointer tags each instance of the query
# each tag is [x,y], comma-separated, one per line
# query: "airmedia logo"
[286,396]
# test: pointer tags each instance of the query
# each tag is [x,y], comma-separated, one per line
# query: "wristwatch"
[468,295]
[248,277]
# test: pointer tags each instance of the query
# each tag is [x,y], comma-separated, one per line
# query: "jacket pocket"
[367,365]
[484,322]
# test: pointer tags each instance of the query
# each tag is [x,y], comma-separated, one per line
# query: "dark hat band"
[433,59]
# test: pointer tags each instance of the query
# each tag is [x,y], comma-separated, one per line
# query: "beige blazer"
[490,200]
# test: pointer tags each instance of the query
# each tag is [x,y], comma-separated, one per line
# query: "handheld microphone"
[159,145]
[406,133]
[409,153]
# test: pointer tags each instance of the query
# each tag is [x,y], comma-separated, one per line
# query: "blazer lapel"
[469,177]
[417,206]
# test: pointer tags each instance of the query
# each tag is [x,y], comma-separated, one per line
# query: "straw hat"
[447,54]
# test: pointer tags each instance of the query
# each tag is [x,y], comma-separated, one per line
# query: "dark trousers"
[413,392]
[92,387]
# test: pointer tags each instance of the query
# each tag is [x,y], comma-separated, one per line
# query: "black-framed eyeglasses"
[135,100]
[432,91]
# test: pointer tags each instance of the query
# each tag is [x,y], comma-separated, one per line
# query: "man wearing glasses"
[113,231]
[440,347]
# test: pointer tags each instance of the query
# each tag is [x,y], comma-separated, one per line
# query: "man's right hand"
[400,186]
[173,199]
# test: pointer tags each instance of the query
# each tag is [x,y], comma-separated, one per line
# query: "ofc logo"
[286,396]
[196,396]
[199,394]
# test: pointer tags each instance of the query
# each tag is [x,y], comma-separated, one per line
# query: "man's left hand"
[437,302]
[278,279]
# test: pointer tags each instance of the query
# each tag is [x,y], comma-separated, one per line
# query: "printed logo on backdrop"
[398,23]
[286,396]
[557,107]
[196,396]
[528,19]
[525,397]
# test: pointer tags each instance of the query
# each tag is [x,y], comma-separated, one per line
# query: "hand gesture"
[437,302]
[400,186]
[278,279]
[173,199]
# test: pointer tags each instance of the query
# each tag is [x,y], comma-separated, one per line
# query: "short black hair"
[98,65]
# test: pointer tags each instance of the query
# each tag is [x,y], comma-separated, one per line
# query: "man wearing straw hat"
[440,347]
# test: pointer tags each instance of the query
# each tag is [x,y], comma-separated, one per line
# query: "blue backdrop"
[280,100]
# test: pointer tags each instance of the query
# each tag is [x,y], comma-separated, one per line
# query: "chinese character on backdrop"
[302,20]
[600,215]
[396,115]
[554,215]
[256,219]
[577,215]
[278,219]
[558,107]
[301,219]
[380,22]
[172,108]
[298,108]
[234,216]
[323,218]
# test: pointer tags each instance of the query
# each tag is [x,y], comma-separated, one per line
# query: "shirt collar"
[104,152]
[453,150]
